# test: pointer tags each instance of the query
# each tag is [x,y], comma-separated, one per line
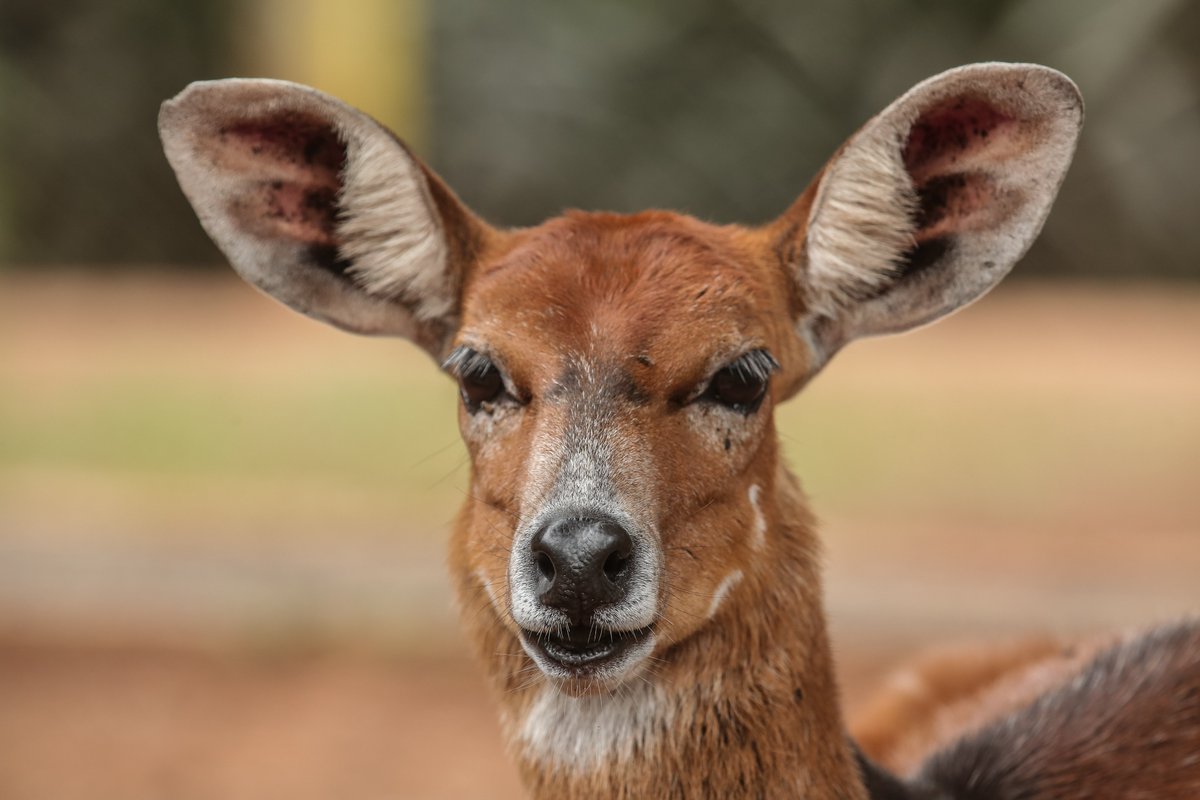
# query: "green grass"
[311,445]
[998,455]
[310,428]
[392,443]
[362,431]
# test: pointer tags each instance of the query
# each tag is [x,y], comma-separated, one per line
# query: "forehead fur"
[643,284]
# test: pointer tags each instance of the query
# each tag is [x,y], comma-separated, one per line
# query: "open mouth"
[580,650]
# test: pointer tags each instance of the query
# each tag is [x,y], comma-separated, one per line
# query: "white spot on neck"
[584,733]
[759,540]
[731,580]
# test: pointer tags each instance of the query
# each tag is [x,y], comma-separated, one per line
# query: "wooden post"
[370,53]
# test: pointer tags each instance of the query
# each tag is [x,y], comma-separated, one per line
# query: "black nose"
[581,564]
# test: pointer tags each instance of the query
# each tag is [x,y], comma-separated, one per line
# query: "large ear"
[322,208]
[931,203]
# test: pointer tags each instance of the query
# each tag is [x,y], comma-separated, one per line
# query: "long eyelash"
[464,362]
[757,365]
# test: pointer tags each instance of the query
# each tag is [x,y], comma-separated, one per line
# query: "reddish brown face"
[617,379]
[619,374]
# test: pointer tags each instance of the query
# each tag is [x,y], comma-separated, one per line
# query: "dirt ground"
[174,625]
[152,722]
[145,722]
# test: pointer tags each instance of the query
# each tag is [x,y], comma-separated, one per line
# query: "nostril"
[545,566]
[579,564]
[615,565]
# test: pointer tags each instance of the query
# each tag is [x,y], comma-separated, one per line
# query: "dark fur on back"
[1125,728]
[883,785]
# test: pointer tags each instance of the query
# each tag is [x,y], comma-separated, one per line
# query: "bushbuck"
[637,568]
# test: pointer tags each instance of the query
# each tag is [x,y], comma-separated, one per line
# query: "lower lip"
[586,656]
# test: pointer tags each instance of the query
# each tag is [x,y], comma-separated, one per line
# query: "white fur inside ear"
[388,226]
[861,223]
[946,188]
[316,204]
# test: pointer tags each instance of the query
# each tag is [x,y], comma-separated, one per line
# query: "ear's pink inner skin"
[296,162]
[954,131]
[951,151]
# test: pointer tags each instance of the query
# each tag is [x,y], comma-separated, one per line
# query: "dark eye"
[742,385]
[479,380]
[481,386]
[735,390]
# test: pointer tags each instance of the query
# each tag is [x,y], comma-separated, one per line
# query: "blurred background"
[222,525]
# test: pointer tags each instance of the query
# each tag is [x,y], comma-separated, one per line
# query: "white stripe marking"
[731,580]
[760,522]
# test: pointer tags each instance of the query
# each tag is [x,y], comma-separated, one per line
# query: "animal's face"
[618,374]
[618,377]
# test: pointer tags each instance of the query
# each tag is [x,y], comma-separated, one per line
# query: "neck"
[746,707]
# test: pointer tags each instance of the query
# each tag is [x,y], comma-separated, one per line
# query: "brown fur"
[951,690]
[753,701]
[1123,725]
[750,690]
[609,327]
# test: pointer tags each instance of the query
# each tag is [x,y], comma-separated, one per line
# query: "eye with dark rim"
[479,380]
[742,384]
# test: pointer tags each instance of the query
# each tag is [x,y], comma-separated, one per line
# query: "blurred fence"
[723,108]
